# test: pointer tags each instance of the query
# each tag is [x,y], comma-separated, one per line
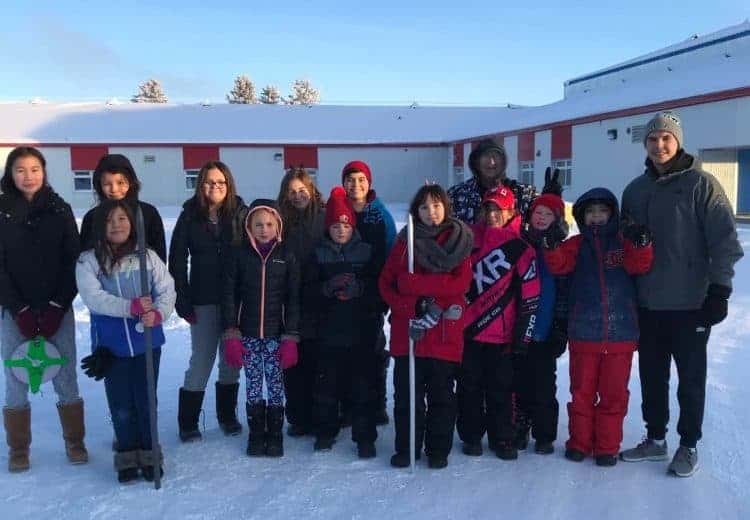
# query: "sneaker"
[127,475]
[366,450]
[574,455]
[437,461]
[506,450]
[648,449]
[323,444]
[605,460]
[544,448]
[472,449]
[685,462]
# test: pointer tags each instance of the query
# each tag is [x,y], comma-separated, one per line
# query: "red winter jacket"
[400,290]
[504,292]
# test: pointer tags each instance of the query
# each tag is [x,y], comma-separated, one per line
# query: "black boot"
[226,408]
[256,422]
[188,411]
[274,438]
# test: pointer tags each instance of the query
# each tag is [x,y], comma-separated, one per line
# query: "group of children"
[490,307]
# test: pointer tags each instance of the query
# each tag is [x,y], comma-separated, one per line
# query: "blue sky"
[467,53]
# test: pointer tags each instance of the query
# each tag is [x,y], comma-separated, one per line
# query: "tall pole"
[148,351]
[412,389]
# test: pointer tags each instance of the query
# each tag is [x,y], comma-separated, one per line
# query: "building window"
[191,179]
[313,172]
[82,180]
[566,170]
[526,172]
[637,134]
[458,174]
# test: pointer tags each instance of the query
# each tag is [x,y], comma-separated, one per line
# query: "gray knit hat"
[666,122]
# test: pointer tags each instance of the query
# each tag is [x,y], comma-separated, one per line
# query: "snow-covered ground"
[214,478]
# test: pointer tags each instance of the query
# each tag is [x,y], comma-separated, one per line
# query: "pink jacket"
[505,287]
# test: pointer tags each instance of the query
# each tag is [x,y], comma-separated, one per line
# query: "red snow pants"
[599,391]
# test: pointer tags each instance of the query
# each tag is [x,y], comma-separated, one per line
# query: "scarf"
[435,257]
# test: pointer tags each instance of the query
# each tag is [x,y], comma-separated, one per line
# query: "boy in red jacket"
[602,321]
[502,300]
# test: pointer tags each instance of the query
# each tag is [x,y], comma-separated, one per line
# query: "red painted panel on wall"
[194,157]
[562,142]
[458,155]
[305,156]
[86,157]
[526,146]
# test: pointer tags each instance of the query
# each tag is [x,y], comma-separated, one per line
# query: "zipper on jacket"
[263,286]
[125,320]
[603,288]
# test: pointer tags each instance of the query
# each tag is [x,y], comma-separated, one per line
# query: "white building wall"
[599,161]
[256,171]
[397,173]
[163,180]
[511,150]
[542,156]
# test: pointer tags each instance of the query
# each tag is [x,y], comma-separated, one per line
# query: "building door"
[743,190]
[722,163]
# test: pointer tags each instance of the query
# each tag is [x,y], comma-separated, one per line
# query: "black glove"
[558,338]
[353,289]
[552,182]
[638,234]
[716,304]
[555,234]
[96,364]
[337,283]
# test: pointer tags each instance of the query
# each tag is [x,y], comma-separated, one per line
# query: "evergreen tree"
[303,93]
[243,91]
[150,92]
[270,95]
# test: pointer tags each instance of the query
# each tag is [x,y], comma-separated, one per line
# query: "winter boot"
[605,460]
[126,465]
[226,408]
[472,449]
[648,449]
[435,461]
[71,419]
[400,459]
[506,450]
[366,450]
[256,422]
[544,448]
[324,443]
[148,464]
[274,437]
[522,431]
[188,411]
[685,462]
[574,455]
[18,434]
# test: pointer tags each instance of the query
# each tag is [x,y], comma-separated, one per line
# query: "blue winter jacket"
[602,298]
[108,298]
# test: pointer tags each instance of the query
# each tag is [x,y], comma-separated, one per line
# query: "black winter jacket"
[196,242]
[343,323]
[39,246]
[261,296]
[151,219]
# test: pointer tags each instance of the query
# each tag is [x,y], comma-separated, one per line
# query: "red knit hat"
[551,201]
[356,166]
[339,209]
[502,197]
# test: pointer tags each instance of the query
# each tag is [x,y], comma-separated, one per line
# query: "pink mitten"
[287,353]
[136,307]
[233,351]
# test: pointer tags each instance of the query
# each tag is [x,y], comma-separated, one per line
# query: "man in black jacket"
[687,290]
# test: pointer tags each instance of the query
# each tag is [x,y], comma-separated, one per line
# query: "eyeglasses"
[215,184]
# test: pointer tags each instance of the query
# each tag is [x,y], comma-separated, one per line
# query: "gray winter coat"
[694,234]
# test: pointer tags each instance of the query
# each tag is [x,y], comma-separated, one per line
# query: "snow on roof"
[368,125]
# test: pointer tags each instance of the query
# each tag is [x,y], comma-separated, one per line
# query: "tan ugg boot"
[18,434]
[71,419]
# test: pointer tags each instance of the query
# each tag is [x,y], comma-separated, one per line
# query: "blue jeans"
[127,395]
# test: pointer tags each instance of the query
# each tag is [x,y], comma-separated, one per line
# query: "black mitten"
[716,304]
[638,234]
[97,363]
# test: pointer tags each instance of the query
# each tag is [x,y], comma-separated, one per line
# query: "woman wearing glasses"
[209,225]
